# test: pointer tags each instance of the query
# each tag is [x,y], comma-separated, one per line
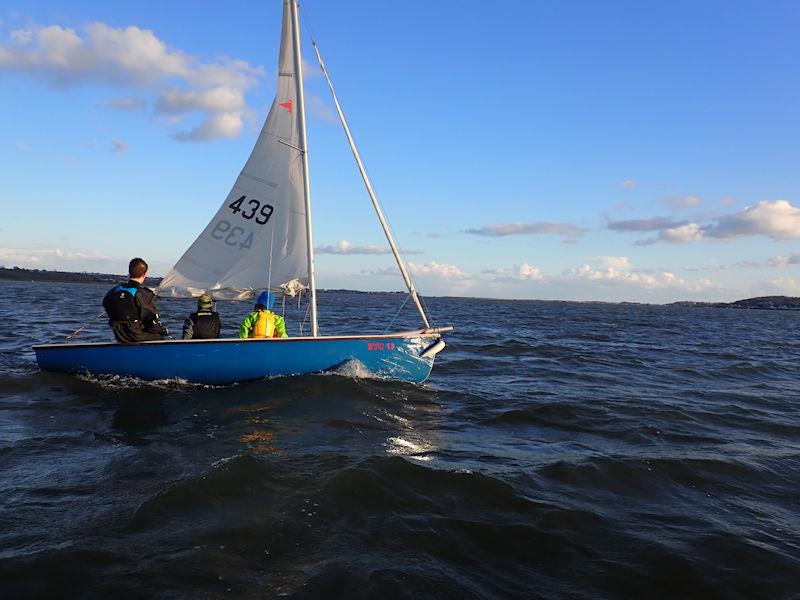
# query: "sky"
[616,151]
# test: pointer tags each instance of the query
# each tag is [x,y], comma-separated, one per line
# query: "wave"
[238,477]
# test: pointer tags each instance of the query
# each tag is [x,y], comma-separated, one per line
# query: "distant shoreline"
[20,274]
[43,275]
[758,303]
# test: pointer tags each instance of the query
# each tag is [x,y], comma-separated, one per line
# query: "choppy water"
[559,450]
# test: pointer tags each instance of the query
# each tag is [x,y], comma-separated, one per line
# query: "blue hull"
[394,356]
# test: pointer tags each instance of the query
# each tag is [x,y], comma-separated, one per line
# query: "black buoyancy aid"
[120,304]
[205,325]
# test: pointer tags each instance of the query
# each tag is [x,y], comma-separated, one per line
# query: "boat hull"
[224,361]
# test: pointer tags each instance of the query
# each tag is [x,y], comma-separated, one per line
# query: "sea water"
[558,450]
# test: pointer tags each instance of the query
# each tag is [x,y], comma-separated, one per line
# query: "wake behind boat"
[261,239]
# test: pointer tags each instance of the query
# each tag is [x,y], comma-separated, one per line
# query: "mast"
[298,70]
[401,265]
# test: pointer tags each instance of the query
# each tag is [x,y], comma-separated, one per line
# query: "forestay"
[259,232]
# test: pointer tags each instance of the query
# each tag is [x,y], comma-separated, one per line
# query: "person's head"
[266,300]
[137,269]
[205,302]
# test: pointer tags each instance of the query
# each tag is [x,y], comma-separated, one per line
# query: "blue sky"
[584,150]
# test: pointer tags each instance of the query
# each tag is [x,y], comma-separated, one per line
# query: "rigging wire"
[269,269]
[84,326]
[307,20]
[399,310]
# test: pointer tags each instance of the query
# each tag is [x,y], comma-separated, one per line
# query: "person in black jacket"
[203,324]
[131,308]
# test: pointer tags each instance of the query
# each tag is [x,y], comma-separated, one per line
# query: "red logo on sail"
[287,105]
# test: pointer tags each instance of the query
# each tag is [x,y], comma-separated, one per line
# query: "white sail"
[258,235]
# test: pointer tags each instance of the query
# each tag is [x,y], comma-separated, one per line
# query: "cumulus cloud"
[784,261]
[774,262]
[627,184]
[568,231]
[345,247]
[523,272]
[651,224]
[56,258]
[689,232]
[526,271]
[782,285]
[776,219]
[134,57]
[678,202]
[650,280]
[620,263]
[435,269]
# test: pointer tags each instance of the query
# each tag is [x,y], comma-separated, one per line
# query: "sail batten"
[266,205]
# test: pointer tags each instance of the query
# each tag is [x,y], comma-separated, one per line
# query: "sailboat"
[260,235]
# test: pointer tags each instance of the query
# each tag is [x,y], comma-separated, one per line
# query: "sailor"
[203,324]
[262,322]
[131,308]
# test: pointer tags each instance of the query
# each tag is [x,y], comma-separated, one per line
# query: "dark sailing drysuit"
[132,313]
[201,325]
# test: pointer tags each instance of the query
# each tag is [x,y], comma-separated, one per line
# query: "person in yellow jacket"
[262,322]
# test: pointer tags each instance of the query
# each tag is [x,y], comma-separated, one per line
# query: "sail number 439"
[234,235]
[253,206]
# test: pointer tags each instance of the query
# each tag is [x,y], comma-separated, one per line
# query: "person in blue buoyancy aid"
[131,308]
[203,324]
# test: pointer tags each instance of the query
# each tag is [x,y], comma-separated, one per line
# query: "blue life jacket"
[121,305]
[131,290]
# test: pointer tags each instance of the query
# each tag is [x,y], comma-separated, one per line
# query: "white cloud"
[782,285]
[650,280]
[345,247]
[774,262]
[784,261]
[523,272]
[133,57]
[678,202]
[778,261]
[55,258]
[225,109]
[651,224]
[569,231]
[627,184]
[681,234]
[776,219]
[526,271]
[435,269]
[620,263]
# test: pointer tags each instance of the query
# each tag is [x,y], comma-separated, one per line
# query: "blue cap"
[266,299]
